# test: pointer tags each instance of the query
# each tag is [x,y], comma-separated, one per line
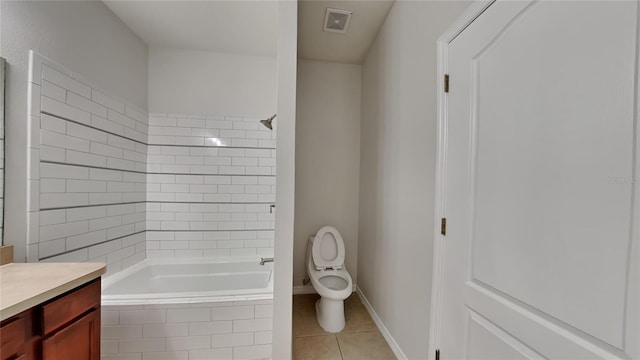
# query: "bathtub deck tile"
[217,304]
[263,311]
[166,355]
[189,343]
[252,352]
[130,317]
[188,315]
[211,354]
[252,325]
[129,356]
[122,332]
[232,313]
[231,340]
[210,328]
[263,337]
[141,345]
[122,307]
[165,330]
[165,306]
[108,347]
[254,302]
[109,317]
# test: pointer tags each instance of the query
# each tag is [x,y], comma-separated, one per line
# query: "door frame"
[472,13]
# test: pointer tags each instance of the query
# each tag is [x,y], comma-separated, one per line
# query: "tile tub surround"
[210,186]
[219,330]
[86,171]
[360,338]
[108,182]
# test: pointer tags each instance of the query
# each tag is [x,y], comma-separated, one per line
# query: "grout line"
[88,246]
[90,166]
[167,173]
[143,172]
[216,146]
[148,144]
[339,347]
[87,206]
[212,202]
[156,202]
[95,128]
[208,230]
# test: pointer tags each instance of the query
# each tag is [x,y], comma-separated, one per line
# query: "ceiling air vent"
[337,20]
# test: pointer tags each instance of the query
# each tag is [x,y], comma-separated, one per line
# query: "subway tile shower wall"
[108,182]
[86,171]
[210,186]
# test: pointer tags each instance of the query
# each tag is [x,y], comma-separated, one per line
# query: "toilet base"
[330,314]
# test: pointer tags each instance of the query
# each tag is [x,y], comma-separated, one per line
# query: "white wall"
[397,170]
[327,157]
[199,82]
[285,186]
[81,35]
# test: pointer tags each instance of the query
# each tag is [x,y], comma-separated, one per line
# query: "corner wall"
[86,180]
[397,169]
[327,157]
[81,35]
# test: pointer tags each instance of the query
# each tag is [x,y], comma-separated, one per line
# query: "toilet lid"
[328,248]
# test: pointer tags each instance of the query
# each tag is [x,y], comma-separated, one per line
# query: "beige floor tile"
[305,302]
[316,348]
[357,318]
[304,317]
[364,345]
[305,323]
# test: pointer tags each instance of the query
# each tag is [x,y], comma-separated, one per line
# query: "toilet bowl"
[325,266]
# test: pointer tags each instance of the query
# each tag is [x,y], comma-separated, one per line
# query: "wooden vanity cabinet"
[63,328]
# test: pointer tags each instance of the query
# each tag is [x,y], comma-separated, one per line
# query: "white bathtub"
[171,281]
[197,309]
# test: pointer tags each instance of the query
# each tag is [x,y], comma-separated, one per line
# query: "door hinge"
[443,226]
[446,83]
[437,354]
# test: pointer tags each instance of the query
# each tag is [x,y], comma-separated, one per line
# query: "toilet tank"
[309,248]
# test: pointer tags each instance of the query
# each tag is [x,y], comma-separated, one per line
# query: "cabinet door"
[12,337]
[78,341]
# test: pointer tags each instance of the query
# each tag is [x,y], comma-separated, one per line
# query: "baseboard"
[383,329]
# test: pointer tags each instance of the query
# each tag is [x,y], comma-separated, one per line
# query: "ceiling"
[250,26]
[352,47]
[234,26]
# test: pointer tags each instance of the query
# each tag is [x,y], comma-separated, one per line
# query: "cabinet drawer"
[12,338]
[70,306]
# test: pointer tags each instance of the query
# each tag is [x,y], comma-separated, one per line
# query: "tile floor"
[359,340]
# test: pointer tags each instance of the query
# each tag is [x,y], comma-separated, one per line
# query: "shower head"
[267,122]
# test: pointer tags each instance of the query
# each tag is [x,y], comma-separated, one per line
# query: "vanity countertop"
[25,285]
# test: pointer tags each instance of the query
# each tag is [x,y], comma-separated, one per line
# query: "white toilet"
[325,266]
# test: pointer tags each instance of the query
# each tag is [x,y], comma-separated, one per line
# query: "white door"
[540,258]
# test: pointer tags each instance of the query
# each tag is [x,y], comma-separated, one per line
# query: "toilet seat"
[329,283]
[329,277]
[328,249]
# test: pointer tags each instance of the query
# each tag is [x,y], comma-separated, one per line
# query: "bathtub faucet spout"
[265,260]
